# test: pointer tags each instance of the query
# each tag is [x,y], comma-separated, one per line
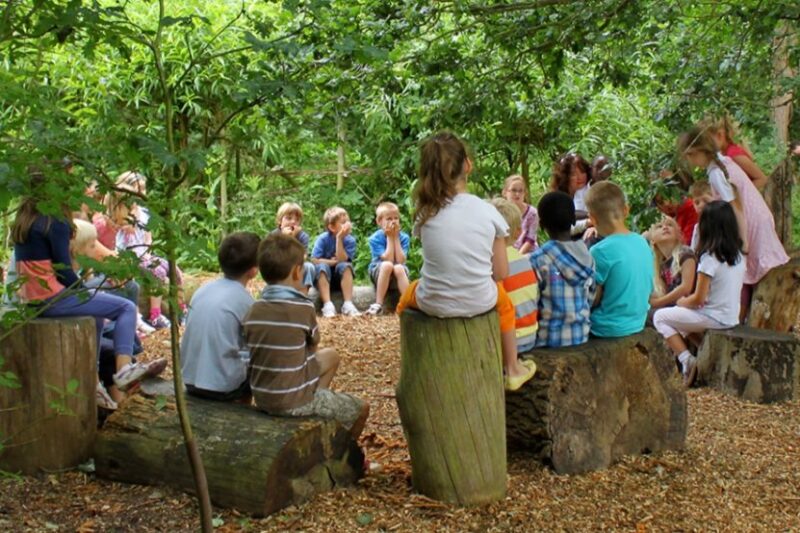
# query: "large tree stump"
[49,423]
[450,397]
[589,405]
[753,364]
[254,462]
[776,300]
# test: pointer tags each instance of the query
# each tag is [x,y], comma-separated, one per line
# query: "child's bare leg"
[155,303]
[361,421]
[384,277]
[347,285]
[324,288]
[328,361]
[676,344]
[510,362]
[402,278]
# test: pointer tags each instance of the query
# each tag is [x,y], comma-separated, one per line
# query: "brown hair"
[699,139]
[28,211]
[441,167]
[562,171]
[511,214]
[333,214]
[384,208]
[606,202]
[722,123]
[278,254]
[288,208]
[699,188]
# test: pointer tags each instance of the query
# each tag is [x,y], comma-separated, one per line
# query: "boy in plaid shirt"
[565,270]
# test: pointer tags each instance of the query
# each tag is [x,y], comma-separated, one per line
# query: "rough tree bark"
[589,405]
[450,397]
[776,300]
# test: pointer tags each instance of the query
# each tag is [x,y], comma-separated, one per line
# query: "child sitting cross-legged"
[389,247]
[289,374]
[289,219]
[624,266]
[565,270]
[333,254]
[213,352]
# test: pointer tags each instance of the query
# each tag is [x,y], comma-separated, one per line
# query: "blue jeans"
[334,275]
[309,274]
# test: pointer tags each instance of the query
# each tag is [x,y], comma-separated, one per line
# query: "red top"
[686,217]
[734,149]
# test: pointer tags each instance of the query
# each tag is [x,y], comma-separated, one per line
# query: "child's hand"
[345,229]
[288,230]
[683,301]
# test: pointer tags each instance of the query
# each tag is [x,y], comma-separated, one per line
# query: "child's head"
[238,255]
[698,147]
[386,214]
[601,169]
[701,194]
[289,215]
[666,232]
[443,165]
[132,181]
[280,260]
[719,232]
[722,128]
[606,204]
[118,207]
[556,213]
[512,215]
[570,174]
[85,238]
[515,189]
[334,217]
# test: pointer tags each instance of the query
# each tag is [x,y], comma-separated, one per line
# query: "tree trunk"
[450,397]
[753,364]
[588,405]
[254,462]
[776,300]
[778,195]
[50,422]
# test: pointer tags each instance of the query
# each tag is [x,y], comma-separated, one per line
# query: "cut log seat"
[776,300]
[588,405]
[254,462]
[753,364]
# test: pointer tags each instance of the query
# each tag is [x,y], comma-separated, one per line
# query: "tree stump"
[753,364]
[588,405]
[776,300]
[254,462]
[450,398]
[49,423]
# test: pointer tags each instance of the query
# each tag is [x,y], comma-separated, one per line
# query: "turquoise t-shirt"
[624,267]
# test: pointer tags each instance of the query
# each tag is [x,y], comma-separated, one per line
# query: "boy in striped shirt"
[289,374]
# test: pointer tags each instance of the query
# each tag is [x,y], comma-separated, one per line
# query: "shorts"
[334,276]
[374,270]
[333,405]
[239,393]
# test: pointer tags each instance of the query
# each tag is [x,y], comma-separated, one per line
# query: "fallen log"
[753,364]
[589,405]
[254,462]
[776,300]
[450,398]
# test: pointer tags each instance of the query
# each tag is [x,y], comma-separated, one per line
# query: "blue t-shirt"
[624,267]
[378,242]
[302,237]
[325,246]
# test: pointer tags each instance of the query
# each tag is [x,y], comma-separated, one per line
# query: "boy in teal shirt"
[623,263]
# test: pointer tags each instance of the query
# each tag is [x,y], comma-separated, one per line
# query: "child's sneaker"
[690,371]
[132,373]
[375,309]
[143,327]
[329,310]
[160,322]
[348,309]
[103,399]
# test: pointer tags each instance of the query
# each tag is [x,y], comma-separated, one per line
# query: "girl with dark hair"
[714,304]
[571,175]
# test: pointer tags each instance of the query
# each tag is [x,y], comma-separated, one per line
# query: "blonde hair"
[511,180]
[85,233]
[699,139]
[288,208]
[659,258]
[384,208]
[333,214]
[512,215]
[699,188]
[133,182]
[606,202]
[725,124]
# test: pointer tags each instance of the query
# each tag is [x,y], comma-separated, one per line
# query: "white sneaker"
[328,310]
[132,373]
[375,309]
[103,399]
[348,309]
[143,327]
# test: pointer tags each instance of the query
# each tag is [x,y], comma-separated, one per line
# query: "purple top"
[530,228]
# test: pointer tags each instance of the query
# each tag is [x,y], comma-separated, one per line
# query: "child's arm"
[342,254]
[685,288]
[388,252]
[499,259]
[752,170]
[698,298]
[598,296]
[402,242]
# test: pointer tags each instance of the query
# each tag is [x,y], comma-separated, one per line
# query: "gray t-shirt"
[213,352]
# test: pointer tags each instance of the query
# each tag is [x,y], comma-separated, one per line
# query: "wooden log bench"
[450,397]
[49,422]
[589,405]
[255,463]
[757,365]
[776,300]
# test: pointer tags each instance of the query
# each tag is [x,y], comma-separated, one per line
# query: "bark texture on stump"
[450,397]
[756,365]
[49,423]
[254,462]
[776,300]
[588,405]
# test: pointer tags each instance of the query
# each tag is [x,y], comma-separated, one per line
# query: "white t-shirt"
[456,277]
[579,200]
[724,295]
[720,185]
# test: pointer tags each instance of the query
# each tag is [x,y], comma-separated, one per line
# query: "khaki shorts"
[338,406]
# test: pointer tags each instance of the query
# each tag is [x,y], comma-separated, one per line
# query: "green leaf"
[72,386]
[161,402]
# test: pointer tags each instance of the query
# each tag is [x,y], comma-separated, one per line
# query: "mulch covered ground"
[740,471]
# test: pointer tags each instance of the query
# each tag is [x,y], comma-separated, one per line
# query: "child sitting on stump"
[289,374]
[389,248]
[333,254]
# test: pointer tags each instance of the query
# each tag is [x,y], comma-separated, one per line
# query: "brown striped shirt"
[281,331]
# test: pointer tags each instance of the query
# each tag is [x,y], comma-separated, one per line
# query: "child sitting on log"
[289,374]
[333,254]
[289,219]
[389,248]
[675,263]
[214,354]
[463,249]
[521,284]
[623,266]
[565,271]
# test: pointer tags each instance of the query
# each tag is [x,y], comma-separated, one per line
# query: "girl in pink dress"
[723,131]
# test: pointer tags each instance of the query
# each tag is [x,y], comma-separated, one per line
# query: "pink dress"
[765,249]
[530,228]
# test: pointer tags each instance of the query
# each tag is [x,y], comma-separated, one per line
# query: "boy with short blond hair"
[289,219]
[623,263]
[333,254]
[389,248]
[289,374]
